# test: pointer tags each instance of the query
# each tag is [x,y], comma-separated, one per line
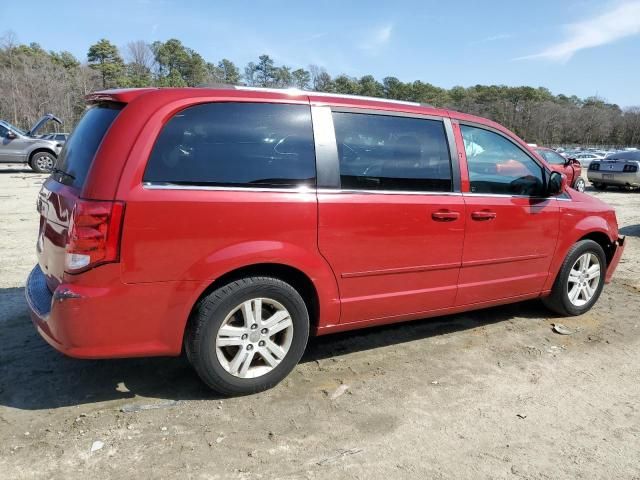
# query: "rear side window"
[380,152]
[552,157]
[236,144]
[498,166]
[79,151]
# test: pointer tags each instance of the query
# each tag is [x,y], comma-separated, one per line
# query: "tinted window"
[3,131]
[379,152]
[552,157]
[236,144]
[630,155]
[498,166]
[78,153]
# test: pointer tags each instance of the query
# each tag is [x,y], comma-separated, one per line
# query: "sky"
[575,47]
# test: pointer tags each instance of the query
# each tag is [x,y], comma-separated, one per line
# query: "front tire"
[42,162]
[248,335]
[580,185]
[580,280]
[600,186]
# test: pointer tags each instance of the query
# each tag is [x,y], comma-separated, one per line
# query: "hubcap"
[254,338]
[44,162]
[584,278]
[580,185]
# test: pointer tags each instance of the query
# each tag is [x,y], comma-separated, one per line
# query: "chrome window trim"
[385,192]
[303,189]
[506,195]
[160,186]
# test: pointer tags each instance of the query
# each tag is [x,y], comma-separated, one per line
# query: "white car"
[586,158]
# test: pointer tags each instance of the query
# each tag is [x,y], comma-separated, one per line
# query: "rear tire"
[42,162]
[248,335]
[579,283]
[599,186]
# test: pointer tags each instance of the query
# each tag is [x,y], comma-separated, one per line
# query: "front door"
[393,229]
[511,227]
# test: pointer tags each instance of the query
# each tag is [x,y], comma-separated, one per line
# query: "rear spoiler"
[121,95]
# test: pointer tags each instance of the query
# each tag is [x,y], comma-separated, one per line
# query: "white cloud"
[618,22]
[500,36]
[377,38]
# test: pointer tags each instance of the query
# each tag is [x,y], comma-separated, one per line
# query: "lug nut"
[254,326]
[264,331]
[244,337]
[261,343]
[249,347]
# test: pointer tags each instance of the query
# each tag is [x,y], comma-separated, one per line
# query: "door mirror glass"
[557,183]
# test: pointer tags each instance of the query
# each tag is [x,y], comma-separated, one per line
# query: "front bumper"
[613,264]
[624,179]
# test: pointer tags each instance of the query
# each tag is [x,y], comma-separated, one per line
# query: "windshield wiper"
[62,173]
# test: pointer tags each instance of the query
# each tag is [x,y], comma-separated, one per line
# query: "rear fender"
[242,255]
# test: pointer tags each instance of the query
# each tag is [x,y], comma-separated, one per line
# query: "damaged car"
[17,146]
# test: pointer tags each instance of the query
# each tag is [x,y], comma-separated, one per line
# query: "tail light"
[630,168]
[94,234]
[594,166]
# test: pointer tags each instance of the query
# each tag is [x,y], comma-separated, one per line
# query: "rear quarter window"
[236,144]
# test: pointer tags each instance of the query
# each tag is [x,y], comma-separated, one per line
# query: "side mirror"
[557,183]
[10,135]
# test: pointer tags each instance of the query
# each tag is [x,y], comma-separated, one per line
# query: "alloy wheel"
[584,278]
[254,338]
[44,162]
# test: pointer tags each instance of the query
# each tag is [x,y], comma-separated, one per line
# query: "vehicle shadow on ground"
[630,230]
[18,169]
[33,376]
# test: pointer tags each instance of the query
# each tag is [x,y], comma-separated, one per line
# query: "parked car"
[233,223]
[569,166]
[620,169]
[17,146]
[585,158]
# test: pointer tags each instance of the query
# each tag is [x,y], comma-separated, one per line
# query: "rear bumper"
[613,264]
[631,179]
[112,319]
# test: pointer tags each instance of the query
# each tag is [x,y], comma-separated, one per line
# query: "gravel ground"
[488,394]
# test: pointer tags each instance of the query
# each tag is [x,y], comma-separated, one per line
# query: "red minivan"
[233,223]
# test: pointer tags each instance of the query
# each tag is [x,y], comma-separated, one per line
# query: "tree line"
[34,81]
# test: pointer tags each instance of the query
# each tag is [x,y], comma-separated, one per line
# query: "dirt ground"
[488,394]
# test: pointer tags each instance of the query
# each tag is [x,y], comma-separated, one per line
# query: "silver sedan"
[621,169]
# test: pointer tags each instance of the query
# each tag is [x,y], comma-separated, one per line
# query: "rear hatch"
[61,193]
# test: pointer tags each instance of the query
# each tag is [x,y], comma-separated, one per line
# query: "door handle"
[483,215]
[445,216]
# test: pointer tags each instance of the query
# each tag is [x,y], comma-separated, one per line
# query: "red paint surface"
[372,258]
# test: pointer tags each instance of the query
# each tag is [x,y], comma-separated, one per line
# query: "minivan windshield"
[79,151]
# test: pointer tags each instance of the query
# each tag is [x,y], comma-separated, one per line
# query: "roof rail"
[297,91]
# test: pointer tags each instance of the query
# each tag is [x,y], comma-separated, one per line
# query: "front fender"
[40,145]
[572,231]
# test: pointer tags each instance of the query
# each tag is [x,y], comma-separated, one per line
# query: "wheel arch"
[311,292]
[585,230]
[39,149]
